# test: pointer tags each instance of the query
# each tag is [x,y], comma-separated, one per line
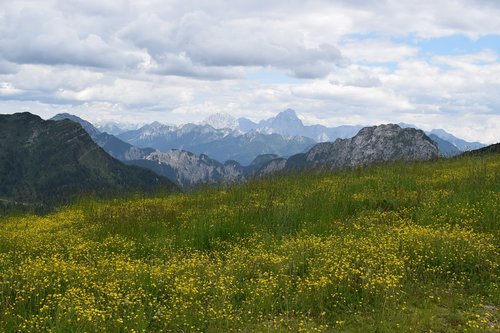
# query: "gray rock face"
[373,145]
[189,169]
[273,166]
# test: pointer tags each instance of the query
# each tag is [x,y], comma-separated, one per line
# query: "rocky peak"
[221,120]
[288,114]
[288,117]
[154,124]
[285,123]
[374,145]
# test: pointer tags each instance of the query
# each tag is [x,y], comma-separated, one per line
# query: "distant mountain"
[47,162]
[371,145]
[220,144]
[110,143]
[446,148]
[459,143]
[115,128]
[220,121]
[165,137]
[183,168]
[491,149]
[121,150]
[246,125]
[287,123]
[261,153]
[449,145]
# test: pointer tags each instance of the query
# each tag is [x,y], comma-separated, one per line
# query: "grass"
[396,247]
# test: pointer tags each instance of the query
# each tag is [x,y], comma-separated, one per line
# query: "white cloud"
[178,61]
[377,51]
[130,92]
[7,89]
[198,40]
[94,7]
[181,65]
[34,34]
[50,78]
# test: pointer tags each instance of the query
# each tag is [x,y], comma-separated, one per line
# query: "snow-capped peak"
[221,120]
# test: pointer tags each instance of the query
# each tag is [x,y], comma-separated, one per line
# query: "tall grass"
[395,247]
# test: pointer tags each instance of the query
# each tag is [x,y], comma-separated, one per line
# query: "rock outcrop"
[371,145]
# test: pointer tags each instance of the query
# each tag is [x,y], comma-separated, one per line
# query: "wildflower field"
[390,248]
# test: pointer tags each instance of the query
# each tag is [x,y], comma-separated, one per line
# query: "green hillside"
[392,248]
[43,163]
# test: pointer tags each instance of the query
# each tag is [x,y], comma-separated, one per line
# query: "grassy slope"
[44,163]
[399,247]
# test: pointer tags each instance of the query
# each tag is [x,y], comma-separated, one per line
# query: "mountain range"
[491,149]
[461,144]
[449,145]
[44,161]
[224,137]
[288,123]
[221,144]
[184,168]
[115,128]
[285,123]
[216,136]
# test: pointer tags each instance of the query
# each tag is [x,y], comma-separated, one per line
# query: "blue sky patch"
[459,44]
[272,77]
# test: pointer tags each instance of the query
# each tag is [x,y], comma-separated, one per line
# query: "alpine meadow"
[396,247]
[173,166]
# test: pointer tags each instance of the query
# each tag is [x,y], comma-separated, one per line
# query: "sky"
[435,64]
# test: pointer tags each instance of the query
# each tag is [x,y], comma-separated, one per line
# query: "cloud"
[377,51]
[7,67]
[372,98]
[39,35]
[357,76]
[94,7]
[181,65]
[467,60]
[7,89]
[198,40]
[337,61]
[130,92]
